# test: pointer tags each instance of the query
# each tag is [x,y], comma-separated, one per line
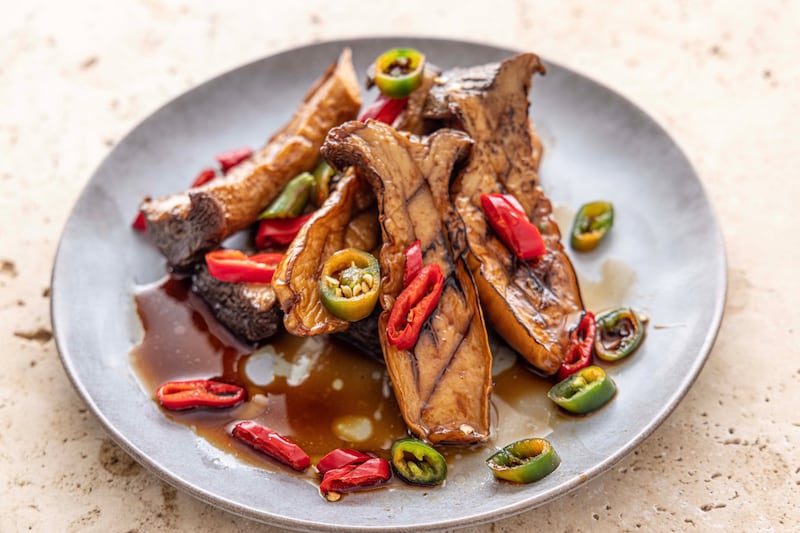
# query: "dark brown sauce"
[316,391]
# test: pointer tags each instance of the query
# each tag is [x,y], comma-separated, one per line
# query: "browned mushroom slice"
[411,118]
[348,218]
[532,304]
[443,383]
[249,310]
[186,225]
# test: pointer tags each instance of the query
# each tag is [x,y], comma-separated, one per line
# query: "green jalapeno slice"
[350,283]
[619,334]
[584,391]
[399,71]
[592,222]
[524,461]
[418,463]
[292,199]
[323,174]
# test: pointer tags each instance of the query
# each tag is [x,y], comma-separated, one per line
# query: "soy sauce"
[319,393]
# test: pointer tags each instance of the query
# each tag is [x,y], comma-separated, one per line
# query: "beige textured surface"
[724,80]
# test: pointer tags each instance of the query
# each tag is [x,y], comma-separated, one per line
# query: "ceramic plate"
[597,145]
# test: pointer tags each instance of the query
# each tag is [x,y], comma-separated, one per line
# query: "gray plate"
[598,145]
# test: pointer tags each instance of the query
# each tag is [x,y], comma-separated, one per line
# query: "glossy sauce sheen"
[315,391]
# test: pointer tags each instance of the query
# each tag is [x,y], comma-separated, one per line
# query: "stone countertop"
[725,82]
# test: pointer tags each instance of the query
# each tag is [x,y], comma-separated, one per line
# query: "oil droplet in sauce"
[352,428]
[314,390]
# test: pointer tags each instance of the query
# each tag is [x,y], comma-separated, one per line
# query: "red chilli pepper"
[272,443]
[230,158]
[279,231]
[413,263]
[179,395]
[353,477]
[413,307]
[509,221]
[339,458]
[205,175]
[579,350]
[384,109]
[139,223]
[235,266]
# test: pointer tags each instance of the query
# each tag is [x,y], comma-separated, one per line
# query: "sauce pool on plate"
[314,390]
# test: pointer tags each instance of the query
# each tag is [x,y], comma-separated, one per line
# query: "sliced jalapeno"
[619,334]
[399,71]
[292,199]
[592,222]
[524,461]
[418,463]
[584,391]
[349,284]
